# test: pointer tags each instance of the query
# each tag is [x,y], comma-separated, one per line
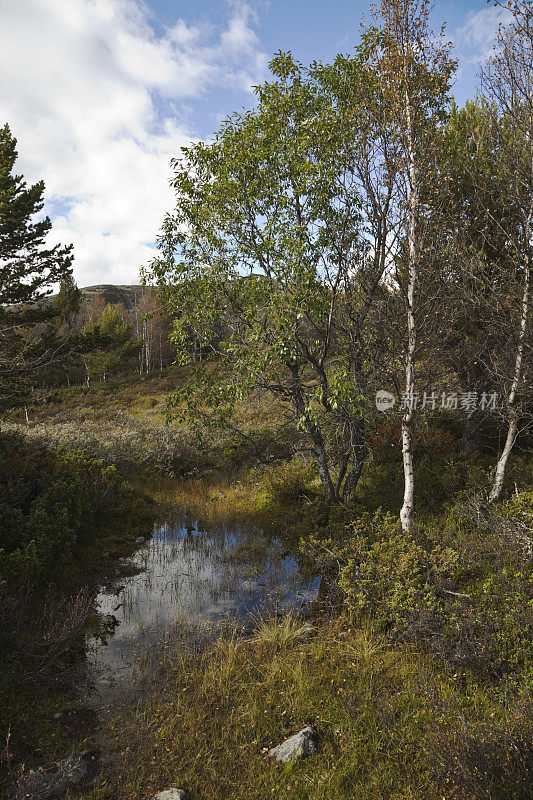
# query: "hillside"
[113,294]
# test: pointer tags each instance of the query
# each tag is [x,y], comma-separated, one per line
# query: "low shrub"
[49,501]
[461,585]
[124,441]
[290,481]
[388,574]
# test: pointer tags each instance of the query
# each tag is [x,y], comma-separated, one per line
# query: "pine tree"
[28,267]
[67,302]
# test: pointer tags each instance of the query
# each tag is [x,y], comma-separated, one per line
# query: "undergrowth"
[389,724]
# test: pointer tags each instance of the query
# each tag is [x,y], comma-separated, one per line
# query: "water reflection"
[200,577]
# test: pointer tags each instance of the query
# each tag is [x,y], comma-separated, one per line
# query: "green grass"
[389,725]
[393,723]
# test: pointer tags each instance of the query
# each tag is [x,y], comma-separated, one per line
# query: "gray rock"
[140,540]
[171,794]
[71,774]
[298,746]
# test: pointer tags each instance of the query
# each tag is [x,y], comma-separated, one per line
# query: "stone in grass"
[298,746]
[307,630]
[171,794]
[71,774]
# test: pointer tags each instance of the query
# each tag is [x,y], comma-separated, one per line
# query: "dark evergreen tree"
[28,267]
[67,302]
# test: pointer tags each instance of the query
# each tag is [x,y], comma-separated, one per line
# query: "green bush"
[289,481]
[520,508]
[49,501]
[388,574]
[460,585]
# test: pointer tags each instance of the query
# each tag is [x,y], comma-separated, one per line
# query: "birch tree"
[264,264]
[415,69]
[507,80]
[473,222]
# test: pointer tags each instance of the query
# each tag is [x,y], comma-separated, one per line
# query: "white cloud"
[474,39]
[91,96]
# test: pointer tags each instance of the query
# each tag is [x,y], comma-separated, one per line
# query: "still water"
[194,578]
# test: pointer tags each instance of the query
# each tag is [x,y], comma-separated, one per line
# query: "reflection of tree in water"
[200,575]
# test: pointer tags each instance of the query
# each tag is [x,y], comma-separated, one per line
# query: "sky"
[101,94]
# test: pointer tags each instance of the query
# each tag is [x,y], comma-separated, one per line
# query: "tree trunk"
[321,459]
[358,460]
[313,431]
[502,462]
[517,375]
[352,479]
[472,433]
[406,513]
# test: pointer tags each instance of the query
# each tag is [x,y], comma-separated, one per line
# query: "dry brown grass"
[381,714]
[212,501]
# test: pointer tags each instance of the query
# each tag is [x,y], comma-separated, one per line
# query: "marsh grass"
[384,717]
[214,500]
[280,634]
[269,496]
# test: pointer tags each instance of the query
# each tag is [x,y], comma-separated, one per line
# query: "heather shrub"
[460,585]
[289,481]
[123,441]
[49,501]
[387,573]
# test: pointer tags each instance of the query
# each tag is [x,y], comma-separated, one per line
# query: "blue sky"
[115,87]
[313,29]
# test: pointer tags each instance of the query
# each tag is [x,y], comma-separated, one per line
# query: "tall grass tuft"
[281,634]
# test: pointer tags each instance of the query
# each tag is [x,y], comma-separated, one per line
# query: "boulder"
[298,746]
[171,794]
[71,774]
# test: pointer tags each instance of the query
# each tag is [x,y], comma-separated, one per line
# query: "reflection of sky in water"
[200,578]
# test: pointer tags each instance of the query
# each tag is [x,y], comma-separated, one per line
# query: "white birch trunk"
[406,513]
[517,375]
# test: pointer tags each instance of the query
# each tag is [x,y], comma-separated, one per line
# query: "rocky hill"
[127,295]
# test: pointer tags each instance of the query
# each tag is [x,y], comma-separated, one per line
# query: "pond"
[190,579]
